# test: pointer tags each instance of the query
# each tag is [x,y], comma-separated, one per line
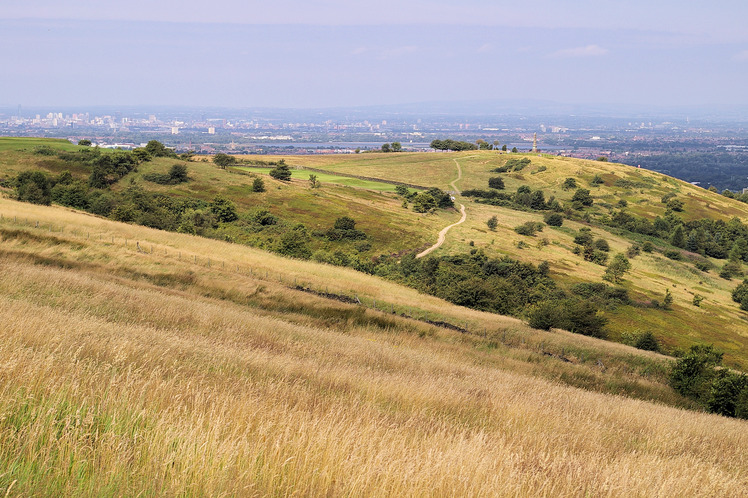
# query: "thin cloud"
[741,56]
[588,51]
[486,47]
[398,52]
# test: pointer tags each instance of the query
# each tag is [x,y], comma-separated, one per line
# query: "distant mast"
[535,143]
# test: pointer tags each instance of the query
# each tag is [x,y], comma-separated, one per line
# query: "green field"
[301,174]
[28,143]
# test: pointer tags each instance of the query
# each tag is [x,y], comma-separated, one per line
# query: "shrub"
[601,245]
[674,254]
[34,187]
[597,180]
[675,205]
[258,185]
[423,203]
[492,223]
[740,294]
[704,266]
[731,270]
[554,220]
[545,315]
[496,182]
[263,217]
[583,238]
[725,392]
[345,228]
[529,228]
[569,184]
[583,197]
[633,250]
[693,373]
[223,209]
[647,341]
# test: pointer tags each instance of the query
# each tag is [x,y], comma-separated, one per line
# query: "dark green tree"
[693,373]
[496,182]
[423,203]
[223,160]
[677,238]
[582,195]
[617,268]
[157,149]
[178,173]
[84,142]
[492,223]
[258,185]
[224,209]
[34,187]
[281,171]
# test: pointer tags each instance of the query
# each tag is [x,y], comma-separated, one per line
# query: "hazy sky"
[338,53]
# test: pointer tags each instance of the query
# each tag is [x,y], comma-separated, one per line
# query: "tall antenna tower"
[535,143]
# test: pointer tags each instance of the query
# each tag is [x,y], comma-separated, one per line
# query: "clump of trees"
[393,147]
[454,145]
[594,250]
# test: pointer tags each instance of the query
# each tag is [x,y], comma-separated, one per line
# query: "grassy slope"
[393,229]
[126,372]
[717,321]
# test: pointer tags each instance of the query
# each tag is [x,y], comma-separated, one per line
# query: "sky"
[334,53]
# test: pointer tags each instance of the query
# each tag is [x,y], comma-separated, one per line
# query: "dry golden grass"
[116,382]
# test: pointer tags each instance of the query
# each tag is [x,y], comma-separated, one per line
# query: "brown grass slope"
[146,369]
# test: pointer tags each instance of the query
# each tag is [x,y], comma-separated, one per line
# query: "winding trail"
[443,233]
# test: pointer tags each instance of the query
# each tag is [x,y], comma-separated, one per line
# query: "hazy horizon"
[293,55]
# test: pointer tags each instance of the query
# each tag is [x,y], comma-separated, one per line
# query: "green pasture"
[301,174]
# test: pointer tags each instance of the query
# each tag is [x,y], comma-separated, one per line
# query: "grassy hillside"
[138,361]
[391,228]
[718,320]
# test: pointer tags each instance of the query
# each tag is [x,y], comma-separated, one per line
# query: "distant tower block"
[211,130]
[535,142]
[175,130]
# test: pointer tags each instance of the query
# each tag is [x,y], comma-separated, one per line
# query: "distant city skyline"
[301,55]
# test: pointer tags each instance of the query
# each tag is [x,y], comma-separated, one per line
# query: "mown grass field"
[300,174]
[157,372]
